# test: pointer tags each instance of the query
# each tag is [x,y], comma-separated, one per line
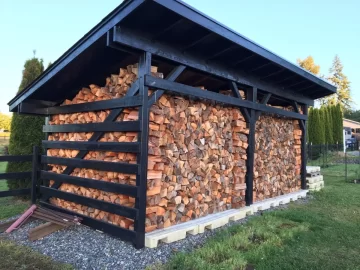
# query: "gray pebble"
[86,248]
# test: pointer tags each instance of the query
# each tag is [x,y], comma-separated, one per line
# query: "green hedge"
[26,131]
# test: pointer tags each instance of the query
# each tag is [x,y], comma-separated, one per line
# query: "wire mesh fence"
[336,160]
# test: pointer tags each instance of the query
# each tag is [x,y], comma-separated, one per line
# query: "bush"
[26,131]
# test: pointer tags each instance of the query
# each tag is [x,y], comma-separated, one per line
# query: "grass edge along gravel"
[14,257]
[322,234]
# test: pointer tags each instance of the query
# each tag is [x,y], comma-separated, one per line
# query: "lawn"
[15,257]
[322,234]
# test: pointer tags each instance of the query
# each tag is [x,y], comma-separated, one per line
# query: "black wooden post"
[142,158]
[34,173]
[251,95]
[303,149]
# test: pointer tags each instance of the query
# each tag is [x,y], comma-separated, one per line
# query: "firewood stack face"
[277,157]
[197,155]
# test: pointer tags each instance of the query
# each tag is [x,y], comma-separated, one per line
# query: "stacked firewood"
[197,155]
[277,157]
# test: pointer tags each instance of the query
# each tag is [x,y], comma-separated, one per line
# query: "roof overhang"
[185,31]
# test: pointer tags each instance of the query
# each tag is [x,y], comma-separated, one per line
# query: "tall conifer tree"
[26,130]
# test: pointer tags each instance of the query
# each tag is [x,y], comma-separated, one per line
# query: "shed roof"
[180,26]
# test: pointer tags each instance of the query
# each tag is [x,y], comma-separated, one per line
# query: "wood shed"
[160,115]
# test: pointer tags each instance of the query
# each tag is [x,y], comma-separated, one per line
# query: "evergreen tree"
[26,131]
[316,127]
[338,124]
[309,126]
[326,125]
[340,80]
[352,115]
[329,131]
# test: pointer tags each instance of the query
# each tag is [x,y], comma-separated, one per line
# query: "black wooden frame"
[13,176]
[137,96]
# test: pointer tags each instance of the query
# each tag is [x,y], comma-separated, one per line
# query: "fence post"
[34,173]
[345,165]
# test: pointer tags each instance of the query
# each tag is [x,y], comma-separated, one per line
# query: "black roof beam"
[273,74]
[294,84]
[232,47]
[167,29]
[285,79]
[260,67]
[210,24]
[243,60]
[188,47]
[136,40]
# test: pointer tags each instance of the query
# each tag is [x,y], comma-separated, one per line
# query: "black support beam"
[124,102]
[24,158]
[15,192]
[303,149]
[96,224]
[91,183]
[92,164]
[196,92]
[134,89]
[125,37]
[97,204]
[174,74]
[251,96]
[91,127]
[126,147]
[142,157]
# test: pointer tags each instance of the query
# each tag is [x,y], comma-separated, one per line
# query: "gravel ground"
[86,248]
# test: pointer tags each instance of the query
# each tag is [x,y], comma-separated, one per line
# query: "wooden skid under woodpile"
[213,221]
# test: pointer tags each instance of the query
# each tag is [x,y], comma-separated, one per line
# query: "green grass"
[322,234]
[10,206]
[14,257]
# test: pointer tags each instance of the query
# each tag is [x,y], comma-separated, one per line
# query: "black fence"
[16,176]
[336,160]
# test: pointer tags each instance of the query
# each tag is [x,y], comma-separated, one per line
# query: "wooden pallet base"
[213,221]
[274,202]
[313,174]
[315,179]
[316,186]
[312,169]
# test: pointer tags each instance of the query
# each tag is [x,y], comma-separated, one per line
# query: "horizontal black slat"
[15,192]
[124,234]
[15,175]
[124,102]
[128,147]
[22,158]
[90,183]
[92,164]
[94,127]
[97,204]
[196,92]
